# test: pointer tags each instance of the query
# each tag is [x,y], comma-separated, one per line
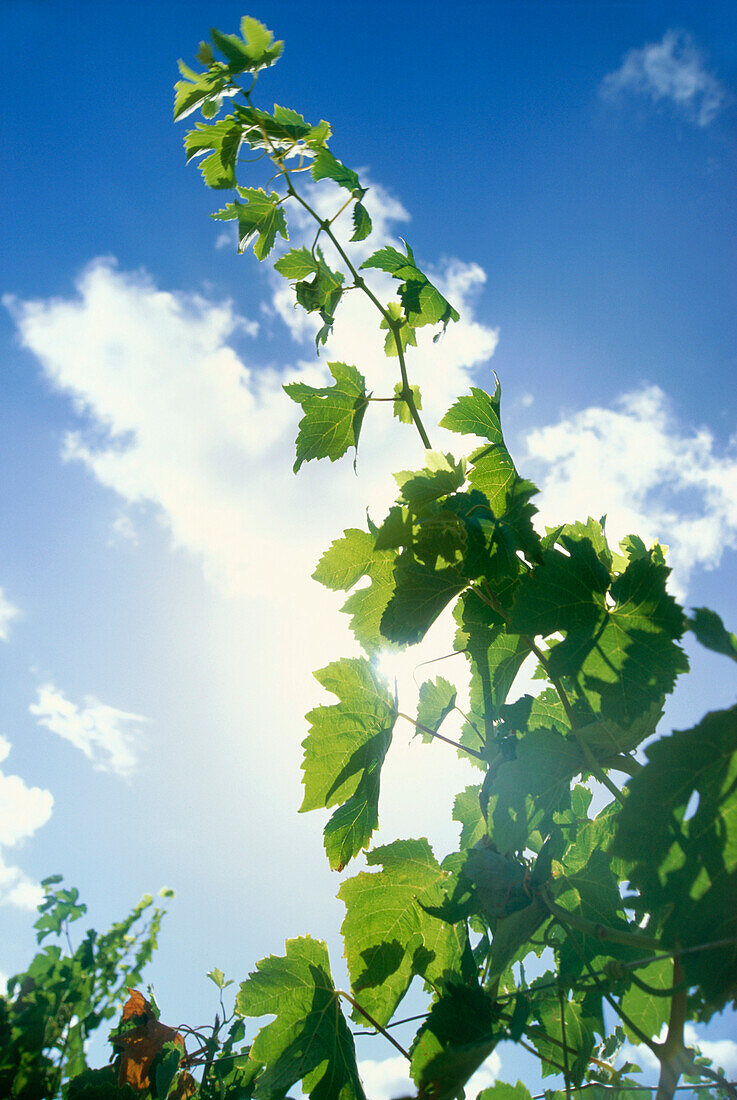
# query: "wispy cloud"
[672,70]
[23,810]
[105,735]
[649,473]
[7,613]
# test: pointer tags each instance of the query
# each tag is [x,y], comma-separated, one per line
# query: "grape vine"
[633,900]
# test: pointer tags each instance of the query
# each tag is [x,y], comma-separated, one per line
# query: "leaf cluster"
[629,892]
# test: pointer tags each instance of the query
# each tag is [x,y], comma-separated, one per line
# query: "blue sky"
[568,172]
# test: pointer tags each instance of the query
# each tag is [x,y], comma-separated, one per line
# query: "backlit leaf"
[389,937]
[260,216]
[344,751]
[309,1041]
[712,633]
[333,415]
[437,700]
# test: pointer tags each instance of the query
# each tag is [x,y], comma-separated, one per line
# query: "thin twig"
[441,737]
[596,930]
[377,1026]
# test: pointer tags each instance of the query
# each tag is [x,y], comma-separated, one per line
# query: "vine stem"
[594,766]
[598,931]
[566,1070]
[441,737]
[360,282]
[325,226]
[672,1051]
[377,1026]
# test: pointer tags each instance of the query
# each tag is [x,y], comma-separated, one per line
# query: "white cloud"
[671,70]
[7,614]
[105,735]
[647,472]
[23,810]
[173,416]
[390,1078]
[722,1052]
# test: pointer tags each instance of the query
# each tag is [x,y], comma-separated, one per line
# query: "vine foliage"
[576,846]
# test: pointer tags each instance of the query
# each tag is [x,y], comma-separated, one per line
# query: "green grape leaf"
[333,415]
[625,656]
[494,474]
[222,140]
[309,1041]
[401,408]
[93,1084]
[407,337]
[326,166]
[495,657]
[362,225]
[260,216]
[512,934]
[635,659]
[441,476]
[321,294]
[543,711]
[298,263]
[341,567]
[199,90]
[467,811]
[389,937]
[579,1036]
[646,1010]
[566,592]
[284,131]
[592,531]
[254,51]
[502,1091]
[423,304]
[477,414]
[455,1039]
[422,592]
[343,754]
[608,739]
[437,700]
[686,869]
[525,792]
[712,633]
[167,1068]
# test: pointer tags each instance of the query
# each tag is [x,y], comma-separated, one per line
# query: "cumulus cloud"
[389,1078]
[23,810]
[672,70]
[7,614]
[649,473]
[177,418]
[172,416]
[105,735]
[722,1052]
